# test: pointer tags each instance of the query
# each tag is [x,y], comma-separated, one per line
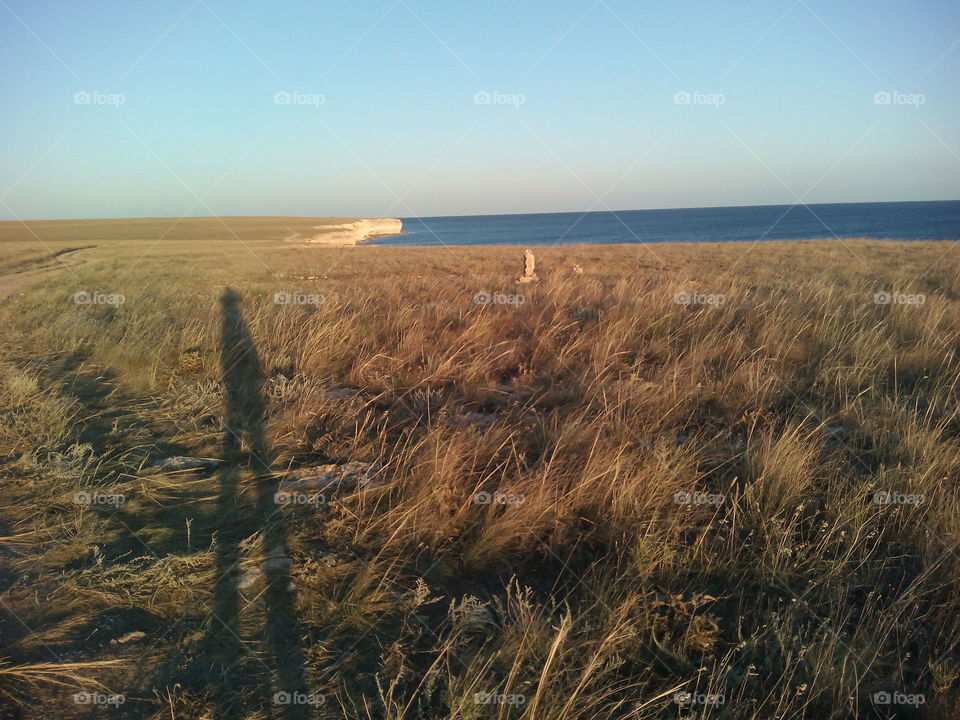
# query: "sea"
[934,220]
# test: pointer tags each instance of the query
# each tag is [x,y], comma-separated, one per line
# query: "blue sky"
[429,107]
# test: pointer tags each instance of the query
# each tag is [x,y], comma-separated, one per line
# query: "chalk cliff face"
[355,231]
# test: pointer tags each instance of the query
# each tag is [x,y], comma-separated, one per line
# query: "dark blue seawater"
[939,220]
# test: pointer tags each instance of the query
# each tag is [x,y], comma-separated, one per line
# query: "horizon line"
[468,215]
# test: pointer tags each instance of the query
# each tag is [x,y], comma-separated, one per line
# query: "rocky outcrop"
[181,462]
[355,230]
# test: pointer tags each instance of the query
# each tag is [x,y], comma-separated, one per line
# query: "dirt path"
[13,283]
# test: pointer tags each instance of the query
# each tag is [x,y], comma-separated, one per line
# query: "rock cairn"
[529,267]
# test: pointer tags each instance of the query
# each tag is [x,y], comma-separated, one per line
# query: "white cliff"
[352,231]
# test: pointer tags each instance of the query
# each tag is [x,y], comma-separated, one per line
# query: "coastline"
[353,231]
[400,233]
[899,221]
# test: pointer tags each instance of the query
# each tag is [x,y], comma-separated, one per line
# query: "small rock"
[119,625]
[276,560]
[249,578]
[129,637]
[181,462]
[349,476]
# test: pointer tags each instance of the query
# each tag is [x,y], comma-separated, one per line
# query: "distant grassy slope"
[171,229]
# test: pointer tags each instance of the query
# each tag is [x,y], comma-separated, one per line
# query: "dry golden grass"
[585,589]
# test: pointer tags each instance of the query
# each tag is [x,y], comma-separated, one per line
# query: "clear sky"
[433,107]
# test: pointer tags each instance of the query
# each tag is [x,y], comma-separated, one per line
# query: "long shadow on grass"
[234,668]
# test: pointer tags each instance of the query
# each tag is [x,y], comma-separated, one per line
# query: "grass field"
[685,481]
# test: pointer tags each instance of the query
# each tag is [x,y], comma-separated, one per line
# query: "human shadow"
[235,664]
